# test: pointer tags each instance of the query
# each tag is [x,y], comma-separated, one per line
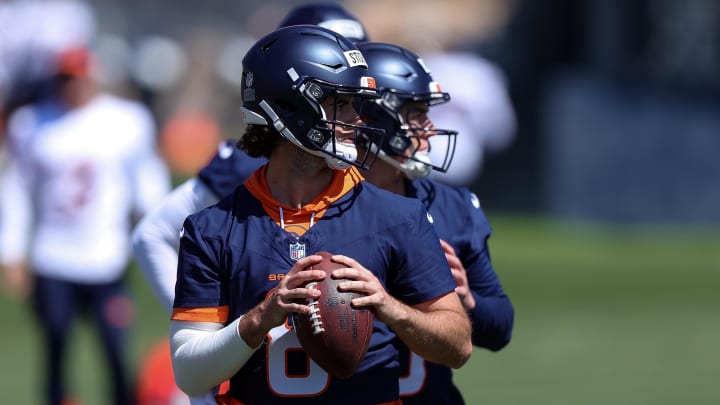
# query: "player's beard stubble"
[305,164]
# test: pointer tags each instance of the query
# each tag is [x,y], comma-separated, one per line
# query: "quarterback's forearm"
[204,354]
[438,331]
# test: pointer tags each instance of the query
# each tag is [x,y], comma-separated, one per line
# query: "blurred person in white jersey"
[82,166]
[31,31]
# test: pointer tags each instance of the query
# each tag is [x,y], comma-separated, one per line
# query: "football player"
[242,262]
[71,189]
[408,92]
[155,239]
[230,167]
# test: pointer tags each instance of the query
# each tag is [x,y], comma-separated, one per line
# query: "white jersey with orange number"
[86,172]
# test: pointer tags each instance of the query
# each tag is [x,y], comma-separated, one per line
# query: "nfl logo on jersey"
[297,250]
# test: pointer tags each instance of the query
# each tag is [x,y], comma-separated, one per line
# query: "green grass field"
[604,315]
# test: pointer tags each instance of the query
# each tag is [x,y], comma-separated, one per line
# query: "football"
[335,335]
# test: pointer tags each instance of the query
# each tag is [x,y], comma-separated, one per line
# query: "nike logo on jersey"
[474,200]
[182,232]
[226,150]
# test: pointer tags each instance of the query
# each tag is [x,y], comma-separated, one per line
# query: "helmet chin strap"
[347,151]
[413,169]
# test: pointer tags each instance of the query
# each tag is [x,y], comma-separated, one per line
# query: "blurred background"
[588,128]
[615,102]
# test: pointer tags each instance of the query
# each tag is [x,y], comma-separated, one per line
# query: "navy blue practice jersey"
[459,220]
[228,169]
[233,253]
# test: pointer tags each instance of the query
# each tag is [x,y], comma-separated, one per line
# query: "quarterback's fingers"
[300,293]
[295,307]
[293,300]
[365,301]
[304,263]
[361,274]
[454,261]
[365,287]
[301,277]
[374,296]
[461,280]
[348,261]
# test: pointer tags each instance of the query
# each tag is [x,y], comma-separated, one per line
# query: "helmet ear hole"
[316,92]
[319,138]
[400,144]
[392,101]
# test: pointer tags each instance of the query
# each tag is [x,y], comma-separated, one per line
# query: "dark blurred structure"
[619,110]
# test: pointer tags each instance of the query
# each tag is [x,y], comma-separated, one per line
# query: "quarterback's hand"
[385,307]
[281,301]
[460,276]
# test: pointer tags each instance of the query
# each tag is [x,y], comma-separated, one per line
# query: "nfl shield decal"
[297,250]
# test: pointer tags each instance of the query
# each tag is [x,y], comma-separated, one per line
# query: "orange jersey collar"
[299,219]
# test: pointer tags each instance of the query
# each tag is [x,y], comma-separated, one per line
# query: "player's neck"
[295,178]
[386,177]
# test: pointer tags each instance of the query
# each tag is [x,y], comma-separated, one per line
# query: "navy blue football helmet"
[401,77]
[288,74]
[327,15]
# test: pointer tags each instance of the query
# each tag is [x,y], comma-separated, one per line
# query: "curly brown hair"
[259,140]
